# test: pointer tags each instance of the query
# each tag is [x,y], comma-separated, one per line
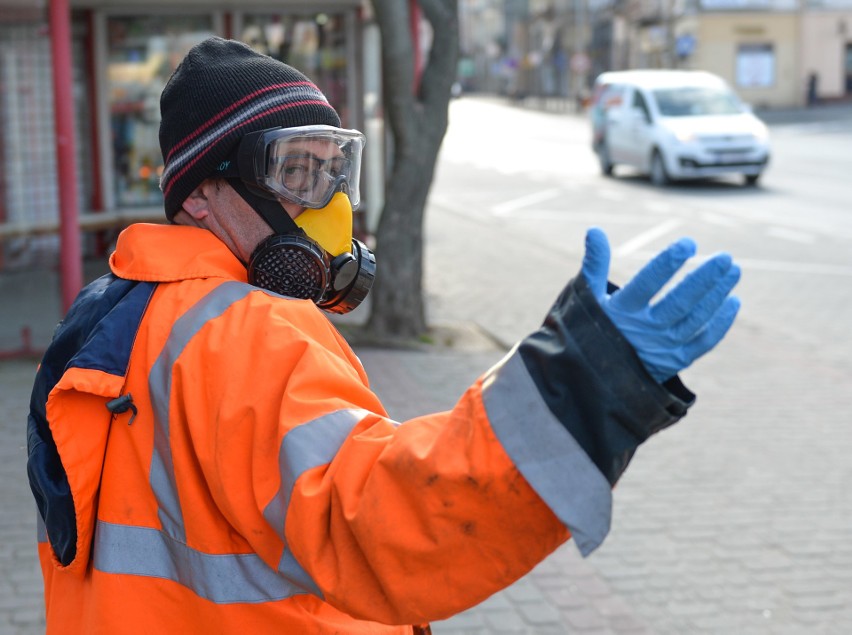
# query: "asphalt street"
[736,521]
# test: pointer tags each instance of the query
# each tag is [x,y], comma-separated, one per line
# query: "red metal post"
[414,24]
[92,96]
[229,25]
[70,254]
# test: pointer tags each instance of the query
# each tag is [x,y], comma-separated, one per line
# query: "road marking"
[516,204]
[809,268]
[772,266]
[712,218]
[505,170]
[611,195]
[657,207]
[792,235]
[636,243]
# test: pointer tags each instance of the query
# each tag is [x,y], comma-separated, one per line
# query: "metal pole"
[71,263]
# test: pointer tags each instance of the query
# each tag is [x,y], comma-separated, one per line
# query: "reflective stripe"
[164,554]
[220,578]
[303,448]
[160,388]
[551,460]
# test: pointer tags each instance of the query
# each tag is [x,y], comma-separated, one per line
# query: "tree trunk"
[417,117]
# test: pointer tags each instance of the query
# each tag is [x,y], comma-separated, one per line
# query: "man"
[205,451]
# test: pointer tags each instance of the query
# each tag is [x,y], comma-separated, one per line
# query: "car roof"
[660,78]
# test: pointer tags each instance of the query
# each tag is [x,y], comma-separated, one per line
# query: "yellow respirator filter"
[330,226]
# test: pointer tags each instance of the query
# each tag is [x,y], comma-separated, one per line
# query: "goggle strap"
[270,210]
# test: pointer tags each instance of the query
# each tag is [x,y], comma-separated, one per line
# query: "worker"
[205,450]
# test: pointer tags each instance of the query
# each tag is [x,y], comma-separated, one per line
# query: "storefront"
[758,53]
[827,50]
[122,56]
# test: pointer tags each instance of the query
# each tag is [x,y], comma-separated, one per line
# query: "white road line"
[723,220]
[514,205]
[771,266]
[792,235]
[781,266]
[570,216]
[637,242]
[657,207]
[611,195]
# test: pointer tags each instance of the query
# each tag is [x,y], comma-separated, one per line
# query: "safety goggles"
[306,165]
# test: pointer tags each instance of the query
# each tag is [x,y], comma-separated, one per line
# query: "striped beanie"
[221,91]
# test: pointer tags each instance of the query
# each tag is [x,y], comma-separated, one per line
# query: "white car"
[674,124]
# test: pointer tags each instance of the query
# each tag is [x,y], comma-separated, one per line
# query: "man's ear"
[196,204]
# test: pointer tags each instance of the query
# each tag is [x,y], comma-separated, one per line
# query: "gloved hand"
[682,326]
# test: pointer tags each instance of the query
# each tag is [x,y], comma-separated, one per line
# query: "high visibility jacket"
[207,457]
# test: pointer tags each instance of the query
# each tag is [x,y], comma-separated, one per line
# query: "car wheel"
[658,175]
[751,179]
[606,162]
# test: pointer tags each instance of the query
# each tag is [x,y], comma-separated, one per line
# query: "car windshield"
[691,101]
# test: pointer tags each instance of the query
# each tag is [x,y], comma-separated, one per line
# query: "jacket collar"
[170,253]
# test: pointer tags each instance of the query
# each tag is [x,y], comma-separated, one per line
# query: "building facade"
[776,53]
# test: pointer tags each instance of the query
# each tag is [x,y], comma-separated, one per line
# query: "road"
[739,519]
[532,176]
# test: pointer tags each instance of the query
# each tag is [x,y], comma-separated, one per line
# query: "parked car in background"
[675,124]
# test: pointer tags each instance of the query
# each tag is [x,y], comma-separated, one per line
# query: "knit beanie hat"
[221,91]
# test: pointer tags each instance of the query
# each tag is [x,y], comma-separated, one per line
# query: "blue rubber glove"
[682,326]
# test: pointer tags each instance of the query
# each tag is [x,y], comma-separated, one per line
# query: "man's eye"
[294,170]
[296,173]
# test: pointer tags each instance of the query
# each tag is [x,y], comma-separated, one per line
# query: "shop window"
[27,141]
[29,190]
[143,51]
[755,66]
[314,43]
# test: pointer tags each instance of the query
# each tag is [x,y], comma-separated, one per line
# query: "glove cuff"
[594,383]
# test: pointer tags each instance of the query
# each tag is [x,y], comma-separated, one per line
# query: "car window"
[691,101]
[638,102]
[612,96]
[607,97]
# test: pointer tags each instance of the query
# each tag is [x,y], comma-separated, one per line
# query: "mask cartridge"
[297,267]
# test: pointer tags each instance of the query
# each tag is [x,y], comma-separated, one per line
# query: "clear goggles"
[306,165]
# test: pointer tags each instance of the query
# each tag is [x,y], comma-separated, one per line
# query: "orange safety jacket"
[207,457]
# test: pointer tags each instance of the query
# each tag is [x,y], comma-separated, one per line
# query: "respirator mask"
[313,257]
